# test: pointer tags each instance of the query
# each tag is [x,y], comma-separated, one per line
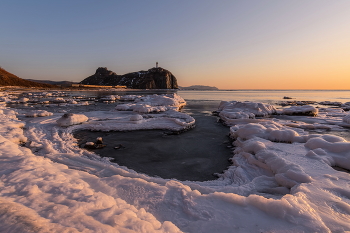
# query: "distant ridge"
[200,88]
[9,79]
[58,83]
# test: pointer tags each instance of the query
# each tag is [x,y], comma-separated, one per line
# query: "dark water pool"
[193,155]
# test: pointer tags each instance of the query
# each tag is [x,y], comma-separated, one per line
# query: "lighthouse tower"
[156,64]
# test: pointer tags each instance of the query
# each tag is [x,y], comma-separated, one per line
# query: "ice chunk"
[306,110]
[271,131]
[71,119]
[153,103]
[229,110]
[136,117]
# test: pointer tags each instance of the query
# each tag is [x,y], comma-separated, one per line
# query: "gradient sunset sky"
[267,44]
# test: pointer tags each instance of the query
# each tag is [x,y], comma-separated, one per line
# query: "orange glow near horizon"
[313,68]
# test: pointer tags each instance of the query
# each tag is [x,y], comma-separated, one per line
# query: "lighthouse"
[156,64]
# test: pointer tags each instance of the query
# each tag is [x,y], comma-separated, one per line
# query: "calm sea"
[268,96]
[265,96]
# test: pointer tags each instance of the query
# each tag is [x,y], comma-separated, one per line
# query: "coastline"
[279,173]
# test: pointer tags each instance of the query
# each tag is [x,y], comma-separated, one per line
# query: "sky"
[267,44]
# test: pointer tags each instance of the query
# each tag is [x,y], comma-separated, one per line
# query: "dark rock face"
[154,78]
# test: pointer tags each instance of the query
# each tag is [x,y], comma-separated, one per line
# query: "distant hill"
[58,83]
[9,79]
[199,88]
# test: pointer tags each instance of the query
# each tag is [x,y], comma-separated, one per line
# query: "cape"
[154,78]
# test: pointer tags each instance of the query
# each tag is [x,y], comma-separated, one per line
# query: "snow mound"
[306,110]
[58,100]
[23,100]
[38,113]
[333,150]
[286,174]
[271,131]
[229,110]
[153,103]
[71,119]
[136,117]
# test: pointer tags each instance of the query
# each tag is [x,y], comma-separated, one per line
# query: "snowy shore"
[281,178]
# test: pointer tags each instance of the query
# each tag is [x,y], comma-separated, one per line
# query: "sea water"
[268,96]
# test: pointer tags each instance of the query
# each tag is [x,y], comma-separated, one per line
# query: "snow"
[152,103]
[136,117]
[280,180]
[244,110]
[306,110]
[38,113]
[71,119]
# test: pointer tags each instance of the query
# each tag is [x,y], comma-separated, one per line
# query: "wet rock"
[120,146]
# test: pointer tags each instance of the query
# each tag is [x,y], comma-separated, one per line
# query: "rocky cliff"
[8,79]
[154,78]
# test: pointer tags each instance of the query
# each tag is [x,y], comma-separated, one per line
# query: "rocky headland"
[154,78]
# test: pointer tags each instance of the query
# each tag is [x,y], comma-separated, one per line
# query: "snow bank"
[269,130]
[71,119]
[38,195]
[333,150]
